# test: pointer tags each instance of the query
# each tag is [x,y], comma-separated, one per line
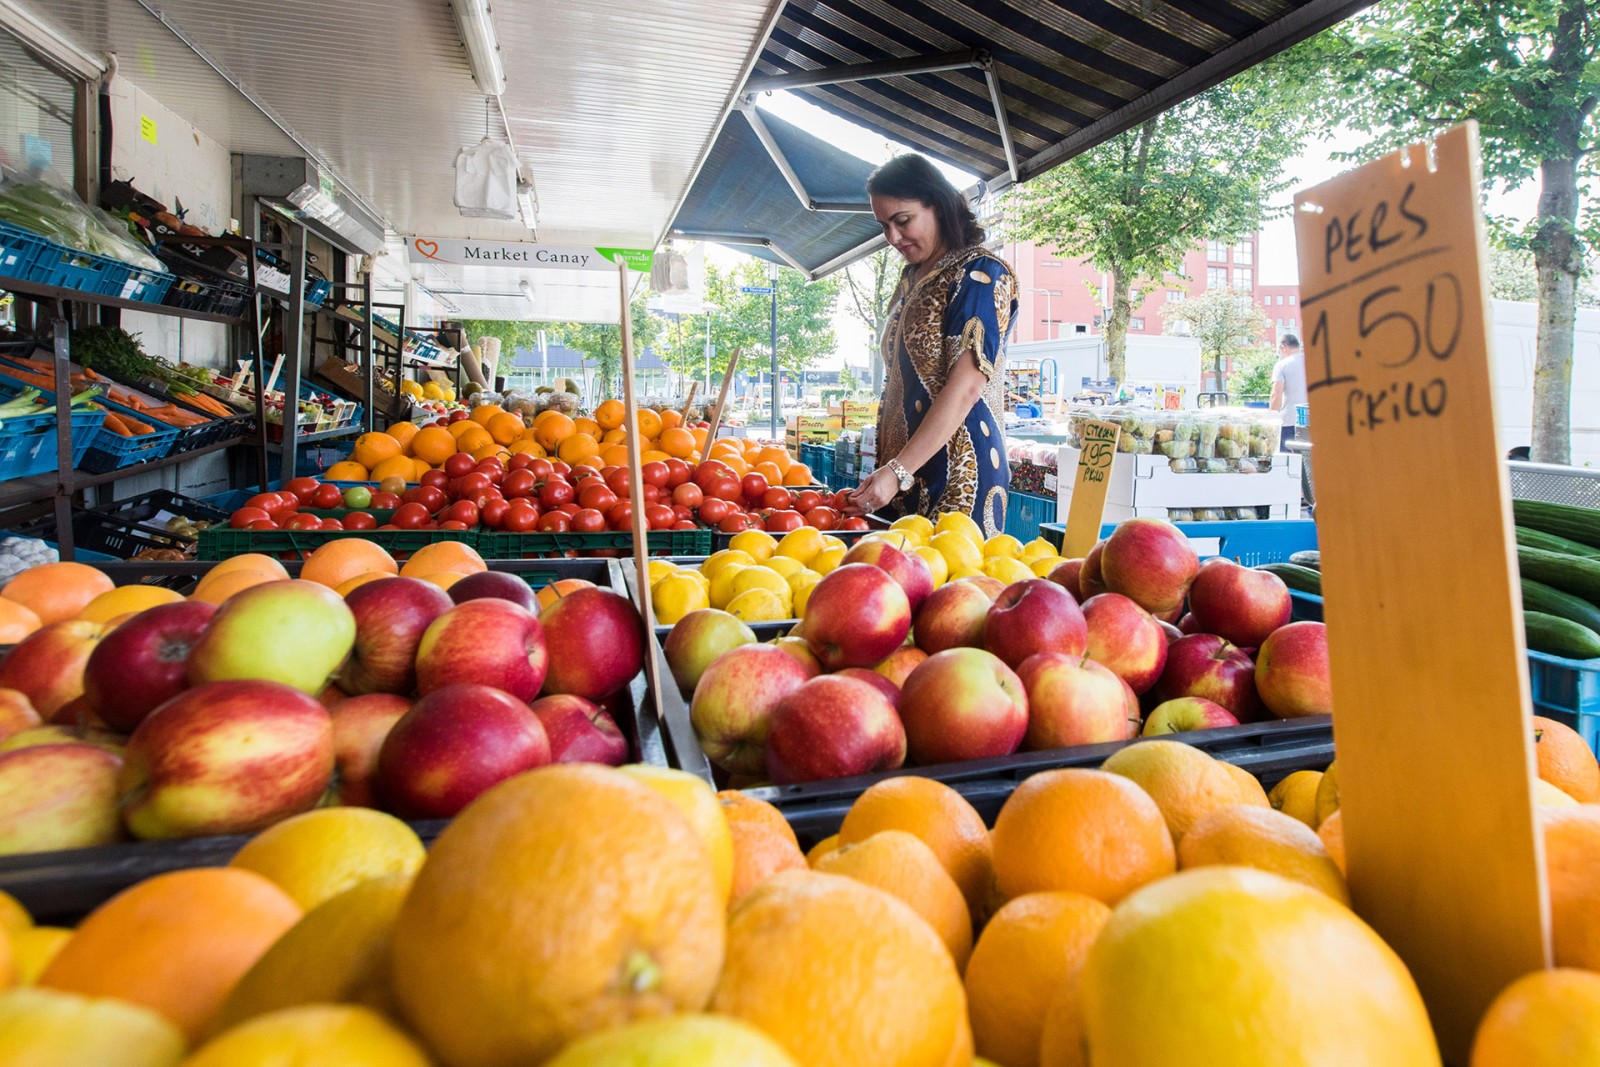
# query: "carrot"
[115,424]
[138,427]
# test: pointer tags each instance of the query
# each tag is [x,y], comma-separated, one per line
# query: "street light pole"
[1049,319]
[773,282]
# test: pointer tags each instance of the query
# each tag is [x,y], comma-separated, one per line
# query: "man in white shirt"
[1289,377]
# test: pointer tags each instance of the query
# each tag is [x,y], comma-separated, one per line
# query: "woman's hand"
[874,492]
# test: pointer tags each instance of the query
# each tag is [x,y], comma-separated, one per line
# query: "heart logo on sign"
[427,248]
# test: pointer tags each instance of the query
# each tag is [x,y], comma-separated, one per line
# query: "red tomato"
[688,494]
[584,483]
[677,472]
[571,508]
[840,500]
[710,471]
[806,499]
[588,521]
[784,521]
[620,517]
[737,522]
[519,461]
[779,499]
[452,524]
[582,471]
[558,466]
[385,501]
[242,518]
[360,520]
[459,464]
[619,482]
[493,514]
[713,510]
[330,524]
[685,524]
[823,518]
[555,492]
[520,519]
[651,493]
[491,493]
[271,502]
[302,488]
[540,468]
[472,484]
[409,516]
[303,521]
[456,415]
[327,496]
[261,524]
[754,487]
[436,478]
[555,522]
[428,496]
[852,523]
[660,517]
[597,496]
[517,483]
[462,511]
[655,473]
[682,513]
[725,488]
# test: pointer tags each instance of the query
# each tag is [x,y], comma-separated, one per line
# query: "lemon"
[938,566]
[1038,548]
[676,1041]
[958,573]
[958,550]
[1006,569]
[763,578]
[13,916]
[802,544]
[659,569]
[312,1035]
[1328,793]
[831,541]
[1002,545]
[48,1026]
[1042,566]
[722,589]
[698,802]
[1296,795]
[322,853]
[759,605]
[787,566]
[758,543]
[699,579]
[718,560]
[959,522]
[800,586]
[676,595]
[898,538]
[917,527]
[829,559]
[33,949]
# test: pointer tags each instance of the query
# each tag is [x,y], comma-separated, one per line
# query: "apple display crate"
[1147,486]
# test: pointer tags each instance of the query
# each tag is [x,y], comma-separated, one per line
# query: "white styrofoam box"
[1150,482]
[1204,546]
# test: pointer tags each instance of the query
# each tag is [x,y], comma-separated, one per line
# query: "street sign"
[757,290]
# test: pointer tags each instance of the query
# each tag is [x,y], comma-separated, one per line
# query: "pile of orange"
[749,456]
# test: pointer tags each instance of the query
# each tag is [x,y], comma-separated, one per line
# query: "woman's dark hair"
[912,177]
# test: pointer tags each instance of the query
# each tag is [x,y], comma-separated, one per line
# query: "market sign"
[457,253]
[1424,613]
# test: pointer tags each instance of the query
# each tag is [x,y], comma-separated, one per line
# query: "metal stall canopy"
[1006,89]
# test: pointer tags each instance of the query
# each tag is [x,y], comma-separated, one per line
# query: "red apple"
[144,662]
[59,734]
[733,704]
[907,568]
[833,727]
[47,665]
[856,616]
[293,632]
[454,744]
[1125,638]
[1090,581]
[1034,616]
[698,639]
[1239,603]
[359,726]
[890,691]
[1205,665]
[898,665]
[391,615]
[489,643]
[963,704]
[1151,561]
[1067,576]
[596,642]
[1187,713]
[495,584]
[226,757]
[1186,624]
[992,587]
[57,797]
[1292,671]
[796,646]
[1072,700]
[16,713]
[953,617]
[580,731]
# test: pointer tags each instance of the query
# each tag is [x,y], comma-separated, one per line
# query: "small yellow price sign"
[1089,487]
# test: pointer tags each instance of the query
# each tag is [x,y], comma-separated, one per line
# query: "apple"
[992,587]
[963,704]
[797,647]
[1292,671]
[890,691]
[856,616]
[58,796]
[1130,700]
[1125,638]
[1241,604]
[898,665]
[47,665]
[490,643]
[1205,665]
[1187,713]
[1090,580]
[454,744]
[1151,561]
[1068,576]
[391,616]
[952,617]
[906,568]
[294,632]
[1034,616]
[227,757]
[60,734]
[697,639]
[496,584]
[833,727]
[144,662]
[16,713]
[732,705]
[596,642]
[359,726]
[1171,632]
[580,731]
[1186,624]
[1072,700]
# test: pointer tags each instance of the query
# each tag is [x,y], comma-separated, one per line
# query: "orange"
[505,427]
[484,412]
[474,438]
[461,426]
[840,973]
[1030,947]
[558,589]
[1565,761]
[403,432]
[617,436]
[16,621]
[653,455]
[902,866]
[56,592]
[403,467]
[770,472]
[319,854]
[938,815]
[443,556]
[698,803]
[763,842]
[1544,1019]
[584,424]
[372,449]
[490,451]
[1079,830]
[649,423]
[1247,786]
[552,428]
[443,579]
[671,418]
[125,599]
[433,445]
[419,468]
[610,414]
[1331,834]
[349,585]
[1289,977]
[614,455]
[335,562]
[677,443]
[526,444]
[1185,782]
[579,448]
[564,901]
[827,846]
[1267,840]
[799,474]
[250,561]
[778,457]
[1572,868]
[346,471]
[312,1035]
[175,943]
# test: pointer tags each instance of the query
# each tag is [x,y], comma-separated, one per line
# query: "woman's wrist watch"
[901,474]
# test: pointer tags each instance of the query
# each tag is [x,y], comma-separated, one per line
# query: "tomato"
[491,493]
[470,484]
[725,487]
[582,471]
[330,524]
[384,501]
[540,468]
[823,518]
[462,511]
[584,483]
[410,516]
[840,500]
[680,512]
[517,483]
[688,494]
[428,496]
[570,507]
[655,473]
[520,519]
[660,517]
[713,510]
[360,520]
[272,503]
[490,466]
[677,472]
[710,471]
[598,497]
[436,478]
[456,415]
[620,516]
[588,521]
[559,466]
[806,499]
[555,492]
[754,487]
[784,521]
[737,522]
[327,496]
[685,524]
[303,521]
[452,524]
[302,488]
[652,494]
[852,523]
[519,461]
[242,518]
[779,499]
[619,481]
[459,464]
[555,522]
[261,524]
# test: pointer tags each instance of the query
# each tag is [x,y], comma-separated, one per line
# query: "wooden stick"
[641,542]
[722,398]
[683,416]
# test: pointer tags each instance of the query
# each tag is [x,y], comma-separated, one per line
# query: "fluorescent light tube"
[483,48]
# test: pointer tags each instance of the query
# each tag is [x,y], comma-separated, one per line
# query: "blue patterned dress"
[964,304]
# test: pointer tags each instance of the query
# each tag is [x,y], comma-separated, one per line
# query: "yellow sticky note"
[147,128]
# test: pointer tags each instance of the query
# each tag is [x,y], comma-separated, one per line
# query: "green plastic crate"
[492,545]
[225,542]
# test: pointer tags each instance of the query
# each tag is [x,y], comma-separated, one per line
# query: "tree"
[1203,170]
[870,284]
[602,343]
[1513,276]
[512,335]
[1251,377]
[1529,72]
[742,320]
[1227,324]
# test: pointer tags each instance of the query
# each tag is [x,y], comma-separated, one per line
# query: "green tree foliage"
[1203,170]
[1529,72]
[1251,376]
[601,343]
[1227,325]
[1513,276]
[742,320]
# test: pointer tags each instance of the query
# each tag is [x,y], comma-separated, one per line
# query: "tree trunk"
[1117,325]
[1555,257]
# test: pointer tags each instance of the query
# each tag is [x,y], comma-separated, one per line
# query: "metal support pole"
[63,498]
[776,400]
[294,322]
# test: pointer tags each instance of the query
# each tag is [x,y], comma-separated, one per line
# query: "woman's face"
[911,227]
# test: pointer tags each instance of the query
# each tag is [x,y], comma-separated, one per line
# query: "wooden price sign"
[1089,487]
[641,539]
[1429,669]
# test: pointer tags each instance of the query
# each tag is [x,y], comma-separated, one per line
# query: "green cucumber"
[1570,574]
[1295,576]
[1563,520]
[1536,596]
[1560,637]
[1309,558]
[1551,543]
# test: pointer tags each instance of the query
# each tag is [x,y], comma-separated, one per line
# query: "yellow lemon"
[313,1035]
[958,573]
[938,566]
[1002,545]
[676,1041]
[959,522]
[677,594]
[917,527]
[1042,566]
[1328,793]
[959,551]
[828,559]
[322,853]
[658,569]
[1296,795]
[802,544]
[44,1027]
[758,543]
[800,586]
[14,918]
[701,579]
[831,541]
[759,605]
[762,578]
[1006,569]
[722,589]
[33,949]
[898,538]
[1038,548]
[787,566]
[127,599]
[718,560]
[698,802]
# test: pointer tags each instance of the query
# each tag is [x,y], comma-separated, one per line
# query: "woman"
[940,447]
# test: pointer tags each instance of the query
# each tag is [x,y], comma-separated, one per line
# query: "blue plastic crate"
[18,250]
[1250,542]
[1302,414]
[111,451]
[27,446]
[71,268]
[139,283]
[1026,514]
[317,291]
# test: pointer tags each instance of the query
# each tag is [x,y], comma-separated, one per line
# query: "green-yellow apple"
[698,639]
[58,796]
[293,632]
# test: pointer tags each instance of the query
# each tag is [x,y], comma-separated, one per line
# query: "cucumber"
[1536,596]
[1563,520]
[1560,637]
[1310,558]
[1295,576]
[1551,543]
[1570,574]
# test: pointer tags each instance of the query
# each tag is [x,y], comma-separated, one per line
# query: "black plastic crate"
[147,512]
[199,287]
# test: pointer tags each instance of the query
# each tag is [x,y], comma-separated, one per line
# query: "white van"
[1171,363]
[1512,343]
